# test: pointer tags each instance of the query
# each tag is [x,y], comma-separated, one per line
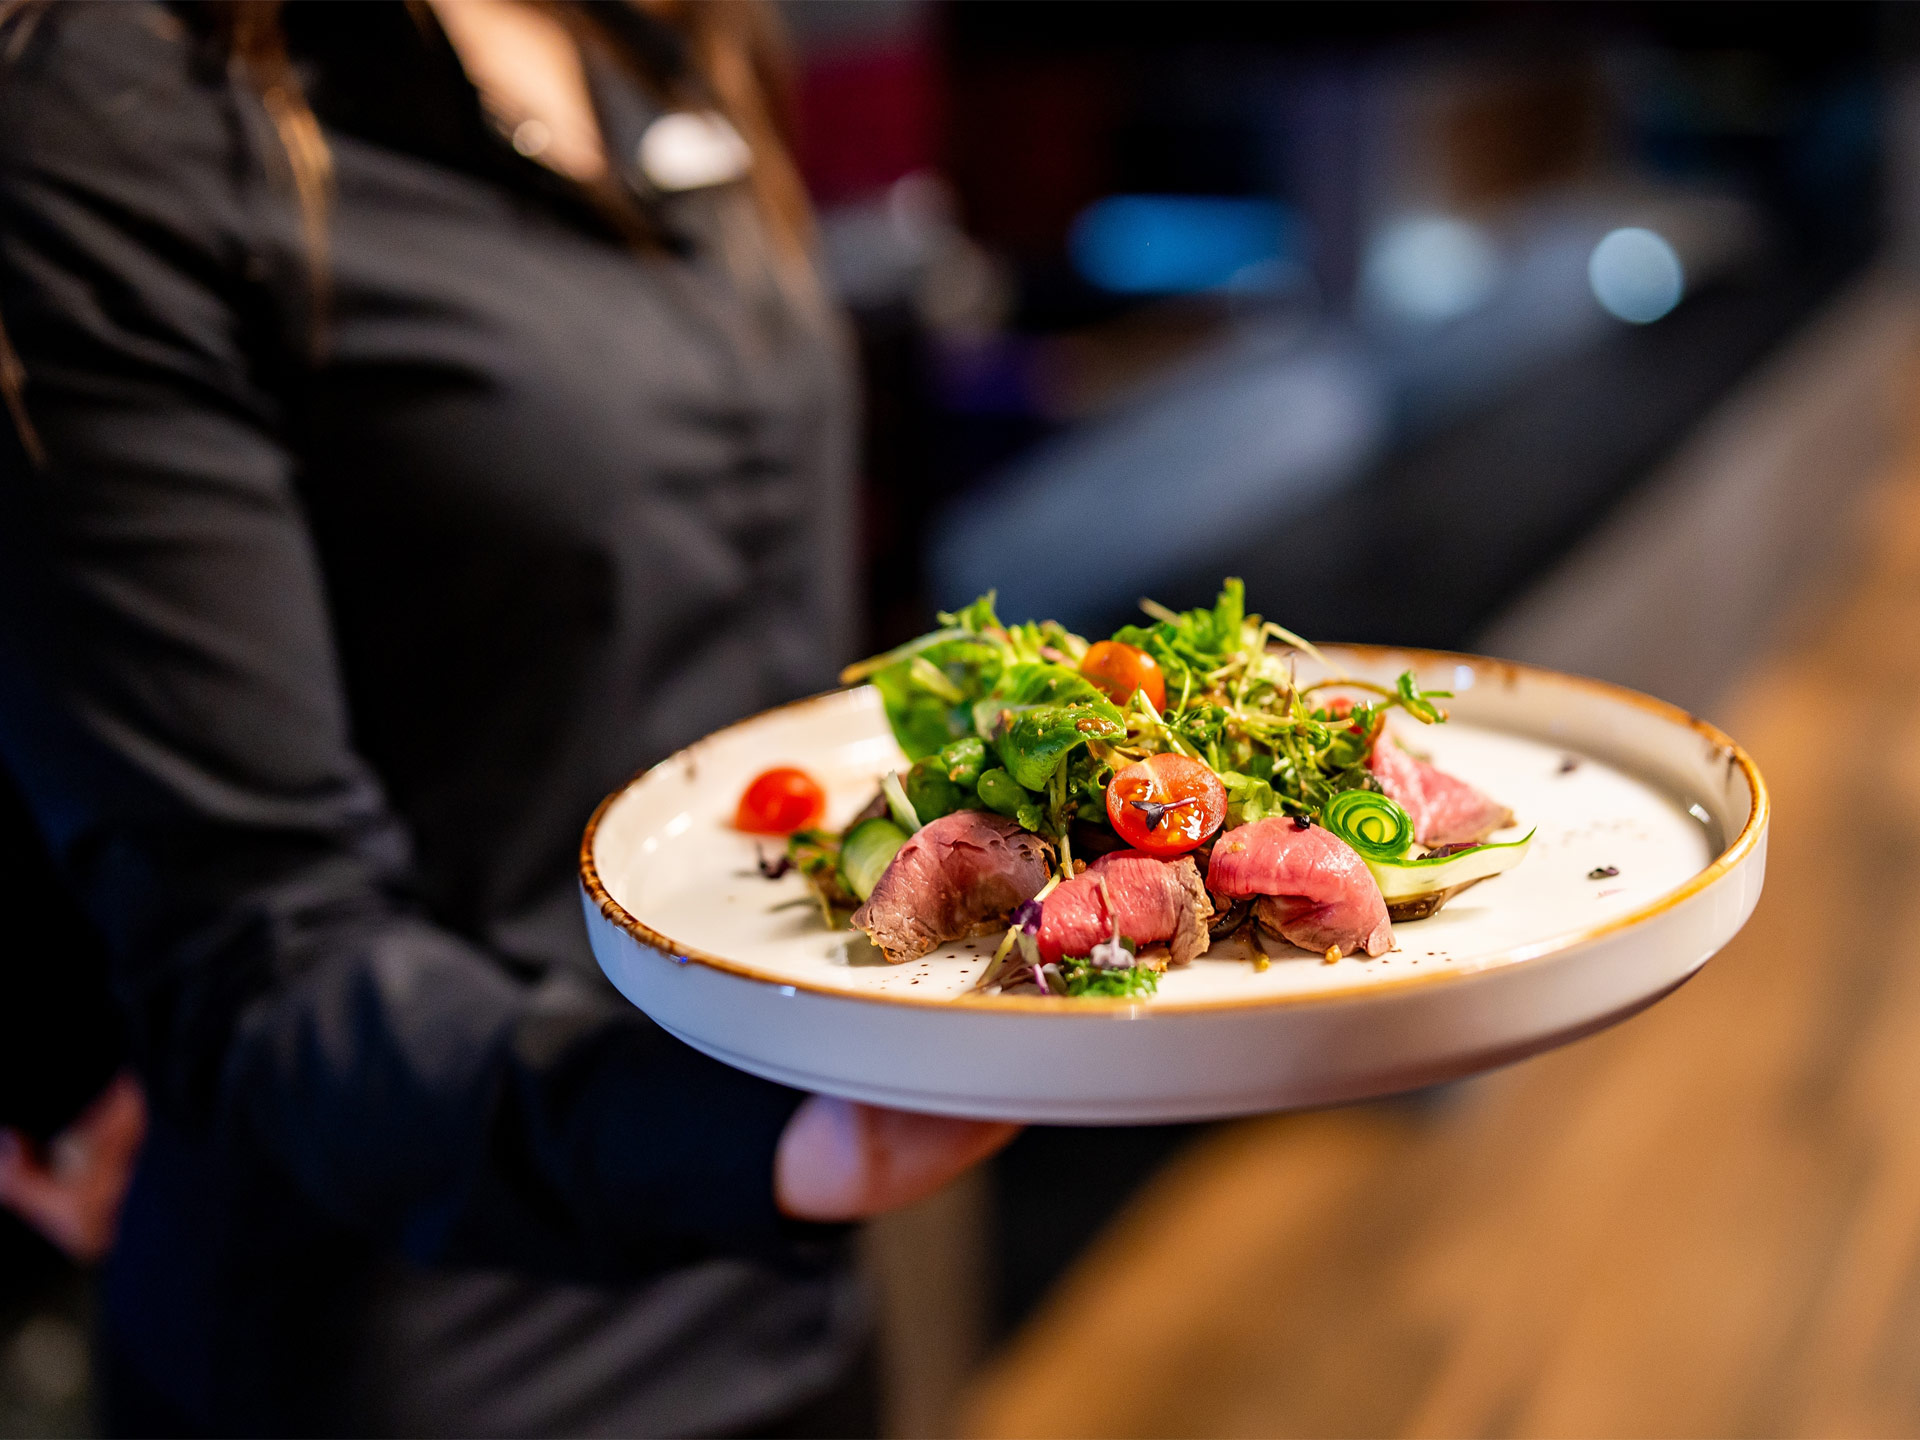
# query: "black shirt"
[316,648]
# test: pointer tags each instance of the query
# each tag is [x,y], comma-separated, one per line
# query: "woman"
[408,441]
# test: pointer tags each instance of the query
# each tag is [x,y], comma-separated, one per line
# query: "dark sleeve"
[170,700]
[60,1040]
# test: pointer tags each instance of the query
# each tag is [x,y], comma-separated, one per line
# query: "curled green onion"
[1371,823]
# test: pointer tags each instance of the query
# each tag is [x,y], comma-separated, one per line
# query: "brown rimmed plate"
[1649,855]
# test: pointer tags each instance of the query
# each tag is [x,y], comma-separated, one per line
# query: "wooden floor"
[1704,1222]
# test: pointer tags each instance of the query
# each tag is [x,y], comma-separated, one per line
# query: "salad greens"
[1031,722]
[1083,977]
[998,716]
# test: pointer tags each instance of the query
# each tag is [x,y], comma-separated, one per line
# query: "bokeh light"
[1178,244]
[1636,275]
[1430,268]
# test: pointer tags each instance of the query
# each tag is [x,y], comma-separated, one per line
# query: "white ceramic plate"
[744,968]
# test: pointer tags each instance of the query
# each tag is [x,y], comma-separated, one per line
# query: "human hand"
[841,1160]
[71,1190]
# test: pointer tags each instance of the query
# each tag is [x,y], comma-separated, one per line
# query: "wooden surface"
[926,1268]
[1704,1222]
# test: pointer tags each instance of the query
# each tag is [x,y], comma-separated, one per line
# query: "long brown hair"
[737,56]
[735,50]
[13,375]
[739,53]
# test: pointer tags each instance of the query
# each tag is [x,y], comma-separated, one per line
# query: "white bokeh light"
[1636,275]
[1430,268]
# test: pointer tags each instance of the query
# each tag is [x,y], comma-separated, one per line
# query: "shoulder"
[116,107]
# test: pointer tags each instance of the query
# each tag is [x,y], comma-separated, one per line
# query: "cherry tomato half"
[1166,804]
[781,801]
[1118,669]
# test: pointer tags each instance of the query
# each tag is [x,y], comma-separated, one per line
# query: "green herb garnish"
[1084,978]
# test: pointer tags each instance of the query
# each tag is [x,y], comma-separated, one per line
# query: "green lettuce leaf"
[929,711]
[1039,714]
[1250,798]
[1033,741]
[975,618]
[1194,640]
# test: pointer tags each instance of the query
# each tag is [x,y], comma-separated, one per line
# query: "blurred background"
[1177,291]
[1577,333]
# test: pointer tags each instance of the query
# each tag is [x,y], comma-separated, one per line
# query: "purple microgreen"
[1029,948]
[1603,872]
[1156,810]
[1027,917]
[773,869]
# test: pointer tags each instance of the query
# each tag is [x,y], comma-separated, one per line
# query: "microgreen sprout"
[1156,810]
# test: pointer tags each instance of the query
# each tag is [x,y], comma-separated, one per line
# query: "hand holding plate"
[841,1160]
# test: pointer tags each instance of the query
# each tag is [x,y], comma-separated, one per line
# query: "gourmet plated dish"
[1115,807]
[1192,838]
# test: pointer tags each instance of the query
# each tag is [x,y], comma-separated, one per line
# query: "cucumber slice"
[867,850]
[1405,879]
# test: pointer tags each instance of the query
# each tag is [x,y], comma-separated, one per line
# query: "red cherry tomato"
[1118,669]
[781,801]
[1166,804]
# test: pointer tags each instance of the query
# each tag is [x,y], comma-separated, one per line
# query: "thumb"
[17,1164]
[29,1188]
[841,1160]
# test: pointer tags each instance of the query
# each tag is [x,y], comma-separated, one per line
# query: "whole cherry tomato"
[781,801]
[1166,804]
[1118,669]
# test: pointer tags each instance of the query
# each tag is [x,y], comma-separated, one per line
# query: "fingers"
[30,1188]
[72,1192]
[840,1160]
[116,1124]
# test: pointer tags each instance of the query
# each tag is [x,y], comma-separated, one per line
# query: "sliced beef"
[960,873]
[1445,810]
[1307,884]
[1146,899]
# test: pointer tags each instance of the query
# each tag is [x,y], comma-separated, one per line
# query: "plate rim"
[1740,849]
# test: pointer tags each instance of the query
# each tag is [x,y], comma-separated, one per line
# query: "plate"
[1649,856]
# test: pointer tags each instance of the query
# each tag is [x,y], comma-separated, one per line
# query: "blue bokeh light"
[1180,244]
